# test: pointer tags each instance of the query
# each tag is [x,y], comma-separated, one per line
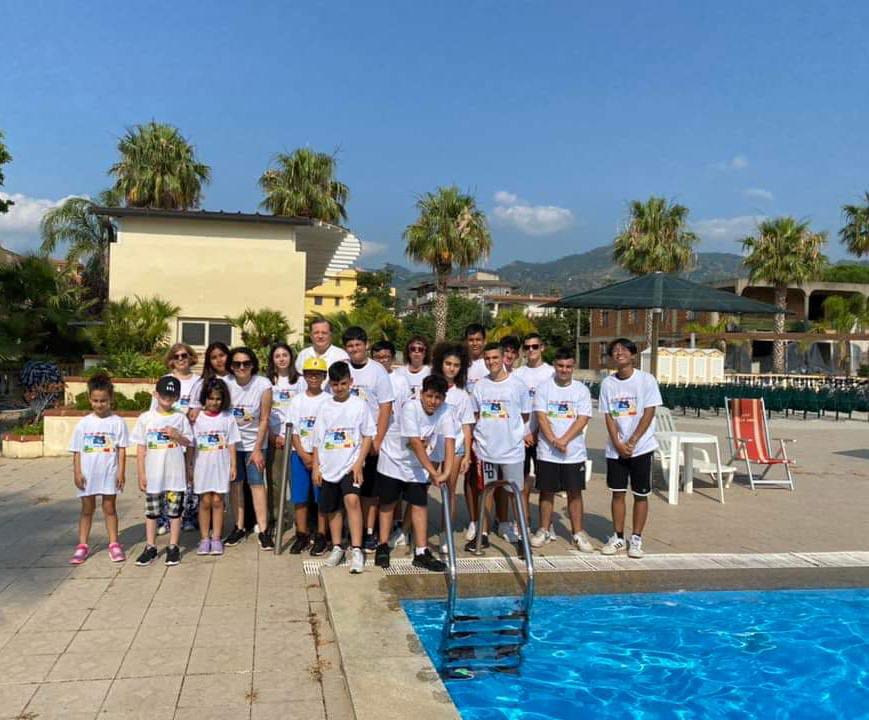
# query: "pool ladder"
[480,643]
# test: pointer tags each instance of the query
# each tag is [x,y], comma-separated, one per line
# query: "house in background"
[476,285]
[334,294]
[217,264]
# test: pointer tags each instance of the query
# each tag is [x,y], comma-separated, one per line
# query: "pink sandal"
[116,552]
[80,555]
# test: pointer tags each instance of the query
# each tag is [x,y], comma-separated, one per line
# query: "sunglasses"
[240,364]
[417,348]
[533,346]
[180,356]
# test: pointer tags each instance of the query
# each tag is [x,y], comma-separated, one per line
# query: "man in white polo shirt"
[321,345]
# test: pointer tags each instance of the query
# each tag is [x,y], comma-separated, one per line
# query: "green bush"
[28,429]
[130,364]
[141,401]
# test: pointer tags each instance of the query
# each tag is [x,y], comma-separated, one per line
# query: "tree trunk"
[778,348]
[649,319]
[440,309]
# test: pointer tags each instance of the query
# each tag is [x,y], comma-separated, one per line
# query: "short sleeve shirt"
[371,384]
[189,397]
[625,401]
[97,441]
[499,435]
[417,423]
[562,406]
[462,408]
[303,415]
[476,372]
[283,391]
[533,377]
[246,401]
[216,437]
[413,379]
[338,432]
[164,458]
[333,354]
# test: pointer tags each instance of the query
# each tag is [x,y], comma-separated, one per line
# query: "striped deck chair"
[748,435]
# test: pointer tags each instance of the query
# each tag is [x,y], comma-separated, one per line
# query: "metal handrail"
[287,475]
[452,564]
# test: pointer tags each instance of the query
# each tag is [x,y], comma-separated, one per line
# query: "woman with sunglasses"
[251,399]
[417,356]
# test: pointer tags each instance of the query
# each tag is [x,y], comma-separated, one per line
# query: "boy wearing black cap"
[162,437]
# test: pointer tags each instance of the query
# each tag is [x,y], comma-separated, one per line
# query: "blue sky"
[554,115]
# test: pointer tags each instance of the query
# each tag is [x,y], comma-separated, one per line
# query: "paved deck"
[248,635]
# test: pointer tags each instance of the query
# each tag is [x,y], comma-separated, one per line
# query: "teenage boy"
[162,436]
[475,340]
[370,384]
[343,432]
[502,407]
[303,415]
[384,353]
[534,372]
[321,345]
[406,469]
[562,407]
[628,400]
[510,348]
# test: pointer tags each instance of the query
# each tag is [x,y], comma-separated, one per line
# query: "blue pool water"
[782,654]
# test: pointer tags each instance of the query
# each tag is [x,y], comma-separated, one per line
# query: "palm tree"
[844,316]
[86,235]
[656,239]
[303,185]
[450,233]
[5,157]
[511,322]
[784,252]
[158,169]
[260,329]
[855,233]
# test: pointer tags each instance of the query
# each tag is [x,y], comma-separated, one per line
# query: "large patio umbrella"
[664,291]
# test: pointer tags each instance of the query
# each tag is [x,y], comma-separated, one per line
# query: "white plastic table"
[675,442]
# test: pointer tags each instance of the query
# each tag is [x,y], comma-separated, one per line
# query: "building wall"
[211,269]
[334,295]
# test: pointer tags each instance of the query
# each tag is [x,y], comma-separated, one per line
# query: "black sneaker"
[381,556]
[369,544]
[300,543]
[235,537]
[320,546]
[472,545]
[173,555]
[427,561]
[149,555]
[265,541]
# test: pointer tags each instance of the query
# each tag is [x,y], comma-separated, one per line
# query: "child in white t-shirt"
[343,432]
[98,446]
[162,437]
[627,400]
[214,468]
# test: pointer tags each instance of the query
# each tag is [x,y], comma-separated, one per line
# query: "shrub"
[141,401]
[130,364]
[29,429]
[139,326]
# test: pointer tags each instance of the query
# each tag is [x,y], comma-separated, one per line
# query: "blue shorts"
[303,490]
[246,471]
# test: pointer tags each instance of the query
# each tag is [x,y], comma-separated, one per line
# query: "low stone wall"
[76,385]
[60,424]
[22,447]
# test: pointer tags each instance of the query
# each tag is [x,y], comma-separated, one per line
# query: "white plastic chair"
[702,462]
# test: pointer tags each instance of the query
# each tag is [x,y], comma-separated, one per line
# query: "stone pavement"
[247,635]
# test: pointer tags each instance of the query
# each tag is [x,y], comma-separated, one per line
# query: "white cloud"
[724,234]
[510,209]
[372,248]
[737,162]
[759,194]
[19,228]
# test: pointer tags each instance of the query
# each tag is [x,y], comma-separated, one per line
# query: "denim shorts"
[245,469]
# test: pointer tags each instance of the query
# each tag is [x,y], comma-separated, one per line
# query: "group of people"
[366,440]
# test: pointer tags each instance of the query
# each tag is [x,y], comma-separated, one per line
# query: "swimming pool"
[766,654]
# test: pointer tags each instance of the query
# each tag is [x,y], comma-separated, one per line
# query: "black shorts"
[560,477]
[530,454]
[390,490]
[369,477]
[638,469]
[332,494]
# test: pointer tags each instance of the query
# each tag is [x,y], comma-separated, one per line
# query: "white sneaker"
[397,539]
[506,531]
[162,529]
[357,561]
[442,542]
[614,545]
[583,542]
[635,549]
[471,532]
[335,557]
[541,537]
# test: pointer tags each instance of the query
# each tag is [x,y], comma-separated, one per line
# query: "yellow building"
[334,294]
[215,264]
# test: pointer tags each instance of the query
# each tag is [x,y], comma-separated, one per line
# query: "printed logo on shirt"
[494,410]
[97,442]
[623,407]
[181,405]
[158,440]
[306,425]
[283,396]
[359,391]
[561,409]
[210,441]
[339,439]
[241,415]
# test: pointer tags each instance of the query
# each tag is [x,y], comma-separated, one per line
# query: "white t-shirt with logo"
[413,379]
[462,407]
[476,372]
[417,423]
[303,415]
[229,378]
[392,448]
[372,385]
[499,435]
[533,377]
[625,401]
[246,401]
[97,441]
[165,468]
[562,406]
[283,391]
[333,354]
[216,437]
[338,433]
[189,397]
